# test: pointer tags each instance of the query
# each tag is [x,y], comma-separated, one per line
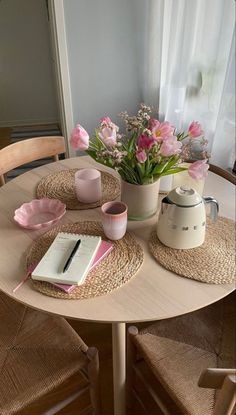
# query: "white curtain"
[189,68]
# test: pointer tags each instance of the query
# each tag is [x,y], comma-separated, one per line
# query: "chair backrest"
[231,177]
[225,380]
[223,173]
[29,150]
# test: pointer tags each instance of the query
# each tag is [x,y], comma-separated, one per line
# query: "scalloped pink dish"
[39,213]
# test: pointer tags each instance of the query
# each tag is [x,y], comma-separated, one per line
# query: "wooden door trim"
[59,46]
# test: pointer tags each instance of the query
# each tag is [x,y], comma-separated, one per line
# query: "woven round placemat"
[112,272]
[60,185]
[213,262]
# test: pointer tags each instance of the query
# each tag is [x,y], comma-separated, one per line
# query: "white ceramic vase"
[142,200]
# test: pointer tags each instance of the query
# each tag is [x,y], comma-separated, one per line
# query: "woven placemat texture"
[112,272]
[213,262]
[60,185]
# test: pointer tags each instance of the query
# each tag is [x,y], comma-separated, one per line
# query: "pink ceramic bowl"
[39,213]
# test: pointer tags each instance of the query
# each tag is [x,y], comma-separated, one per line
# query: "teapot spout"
[214,207]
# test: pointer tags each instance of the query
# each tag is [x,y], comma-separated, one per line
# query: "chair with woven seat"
[173,356]
[170,356]
[26,151]
[228,175]
[44,364]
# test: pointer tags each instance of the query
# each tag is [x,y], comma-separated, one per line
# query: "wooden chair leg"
[2,180]
[131,358]
[226,401]
[93,376]
[55,158]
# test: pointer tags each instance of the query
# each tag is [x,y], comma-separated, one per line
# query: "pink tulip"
[198,169]
[141,156]
[160,130]
[105,120]
[79,138]
[170,146]
[108,136]
[195,129]
[152,123]
[145,142]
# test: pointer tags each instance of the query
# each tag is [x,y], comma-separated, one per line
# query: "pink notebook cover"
[103,250]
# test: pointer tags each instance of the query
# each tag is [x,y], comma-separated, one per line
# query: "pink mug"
[88,185]
[114,219]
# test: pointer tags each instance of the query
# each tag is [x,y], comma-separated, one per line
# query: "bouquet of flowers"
[149,150]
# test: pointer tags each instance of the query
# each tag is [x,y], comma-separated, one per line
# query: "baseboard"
[25,123]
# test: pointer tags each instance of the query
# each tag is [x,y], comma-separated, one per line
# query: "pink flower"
[108,136]
[152,123]
[105,120]
[198,169]
[79,138]
[141,156]
[160,130]
[170,146]
[145,142]
[195,129]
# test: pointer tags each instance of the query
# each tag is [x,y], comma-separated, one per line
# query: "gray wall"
[103,52]
[27,89]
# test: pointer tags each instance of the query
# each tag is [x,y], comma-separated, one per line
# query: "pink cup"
[88,185]
[114,219]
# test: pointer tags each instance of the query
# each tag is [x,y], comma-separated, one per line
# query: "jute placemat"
[213,262]
[60,185]
[112,272]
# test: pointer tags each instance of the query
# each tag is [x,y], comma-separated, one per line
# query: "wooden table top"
[154,293]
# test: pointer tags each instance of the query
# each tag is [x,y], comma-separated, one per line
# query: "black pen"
[67,264]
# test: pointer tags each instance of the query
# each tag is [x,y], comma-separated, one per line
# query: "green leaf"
[159,168]
[173,160]
[148,166]
[99,143]
[141,170]
[130,145]
[147,180]
[173,171]
[92,153]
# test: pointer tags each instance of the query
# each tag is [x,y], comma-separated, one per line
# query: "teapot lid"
[184,196]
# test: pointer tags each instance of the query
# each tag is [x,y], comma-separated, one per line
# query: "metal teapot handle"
[214,207]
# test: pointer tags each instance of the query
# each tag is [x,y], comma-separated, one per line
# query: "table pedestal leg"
[119,366]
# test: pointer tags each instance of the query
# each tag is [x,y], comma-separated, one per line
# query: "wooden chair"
[223,173]
[29,150]
[169,361]
[44,364]
[172,358]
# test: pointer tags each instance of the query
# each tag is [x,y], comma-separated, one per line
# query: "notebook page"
[50,268]
[104,249]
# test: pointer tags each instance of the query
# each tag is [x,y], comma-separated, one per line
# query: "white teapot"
[182,219]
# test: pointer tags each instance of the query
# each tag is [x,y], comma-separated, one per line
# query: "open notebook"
[104,249]
[50,268]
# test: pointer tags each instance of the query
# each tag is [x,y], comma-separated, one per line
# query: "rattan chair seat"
[38,353]
[179,349]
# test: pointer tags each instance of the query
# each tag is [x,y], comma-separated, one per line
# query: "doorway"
[28,98]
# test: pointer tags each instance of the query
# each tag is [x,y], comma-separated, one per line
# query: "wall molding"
[59,46]
[28,122]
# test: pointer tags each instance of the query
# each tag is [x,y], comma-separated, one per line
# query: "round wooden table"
[153,294]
